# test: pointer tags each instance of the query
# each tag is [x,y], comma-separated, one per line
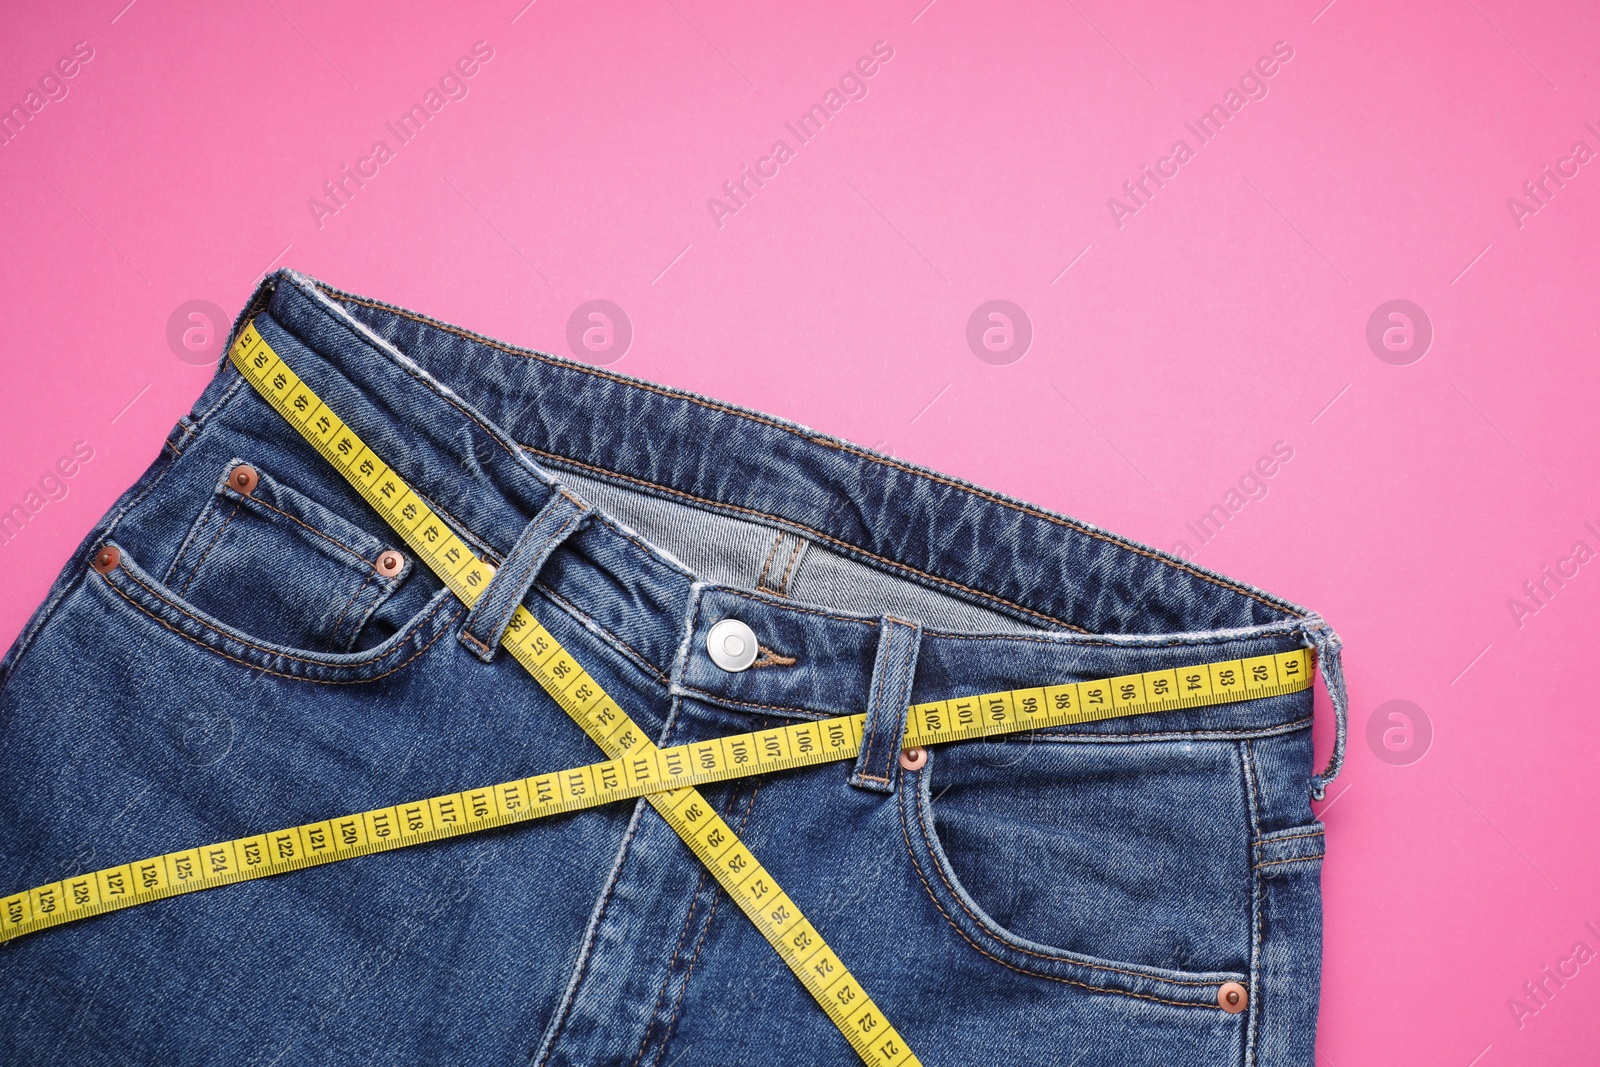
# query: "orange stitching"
[247,643]
[570,996]
[770,658]
[334,631]
[762,580]
[185,547]
[214,539]
[313,529]
[446,397]
[1218,734]
[814,439]
[1260,841]
[580,613]
[462,528]
[877,706]
[1106,640]
[1295,859]
[677,950]
[794,557]
[747,703]
[923,826]
[280,674]
[666,1034]
[796,607]
[895,564]
[928,888]
[1255,784]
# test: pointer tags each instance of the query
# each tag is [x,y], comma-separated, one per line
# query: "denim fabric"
[1067,897]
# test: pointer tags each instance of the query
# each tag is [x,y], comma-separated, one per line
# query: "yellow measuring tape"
[667,777]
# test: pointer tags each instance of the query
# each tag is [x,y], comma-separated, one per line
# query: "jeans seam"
[720,698]
[1130,642]
[740,593]
[683,990]
[195,570]
[922,826]
[818,439]
[820,535]
[1174,735]
[325,536]
[761,581]
[794,557]
[333,631]
[602,632]
[195,527]
[1291,859]
[1252,802]
[933,897]
[677,950]
[534,560]
[281,674]
[593,932]
[235,637]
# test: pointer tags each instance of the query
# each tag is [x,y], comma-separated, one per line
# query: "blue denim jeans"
[1066,897]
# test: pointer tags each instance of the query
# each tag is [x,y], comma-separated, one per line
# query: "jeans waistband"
[485,431]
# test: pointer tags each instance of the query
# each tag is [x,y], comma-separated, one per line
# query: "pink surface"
[1176,338]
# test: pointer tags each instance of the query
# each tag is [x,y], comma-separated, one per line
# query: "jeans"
[1065,897]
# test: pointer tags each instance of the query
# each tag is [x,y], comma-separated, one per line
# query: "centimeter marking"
[637,767]
[624,778]
[559,792]
[757,893]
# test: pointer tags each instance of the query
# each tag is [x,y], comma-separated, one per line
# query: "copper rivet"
[1232,998]
[913,758]
[390,563]
[244,478]
[107,559]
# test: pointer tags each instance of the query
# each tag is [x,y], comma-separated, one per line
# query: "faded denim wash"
[1068,897]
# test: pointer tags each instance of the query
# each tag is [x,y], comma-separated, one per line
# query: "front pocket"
[1118,867]
[276,564]
[129,588]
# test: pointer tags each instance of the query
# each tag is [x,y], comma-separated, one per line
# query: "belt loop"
[1320,636]
[487,622]
[878,766]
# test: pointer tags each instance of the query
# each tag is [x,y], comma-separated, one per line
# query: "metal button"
[732,645]
[244,478]
[107,559]
[390,563]
[1232,998]
[913,758]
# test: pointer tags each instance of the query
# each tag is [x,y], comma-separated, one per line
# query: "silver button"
[732,645]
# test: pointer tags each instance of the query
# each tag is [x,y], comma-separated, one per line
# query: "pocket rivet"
[390,563]
[913,758]
[1232,998]
[107,559]
[244,478]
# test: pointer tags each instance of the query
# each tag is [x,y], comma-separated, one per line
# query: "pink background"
[1169,353]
